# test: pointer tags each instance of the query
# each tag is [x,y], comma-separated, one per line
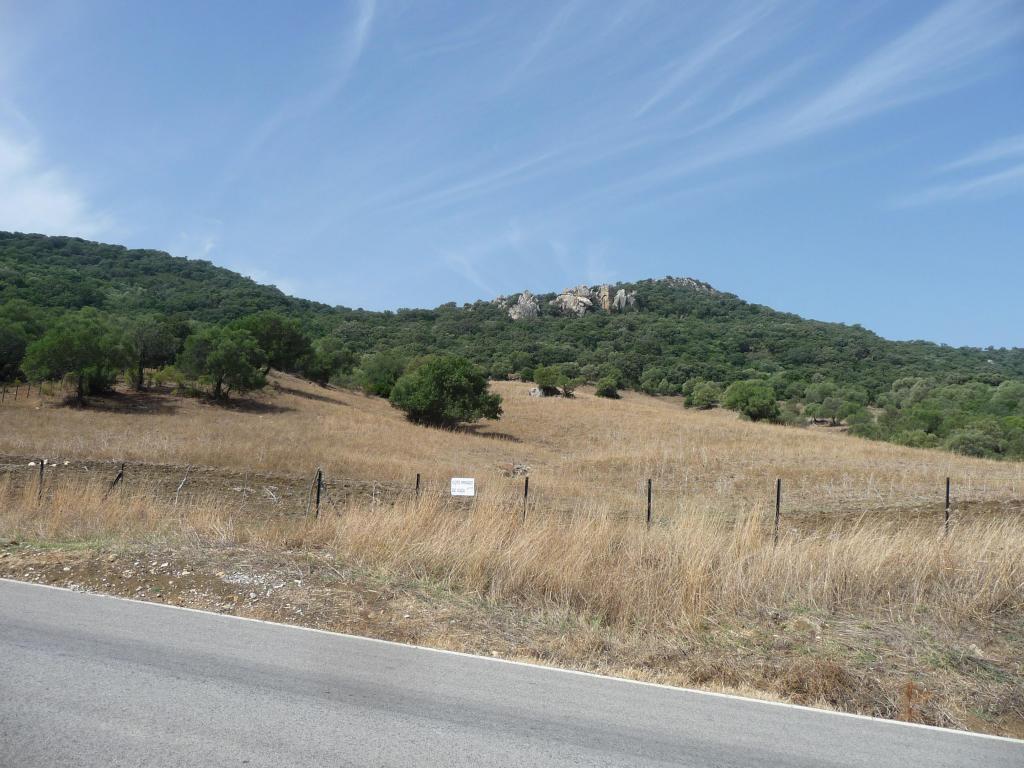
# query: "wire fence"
[261,494]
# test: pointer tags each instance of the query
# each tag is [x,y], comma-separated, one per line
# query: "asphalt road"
[87,680]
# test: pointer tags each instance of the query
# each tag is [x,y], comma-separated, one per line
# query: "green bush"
[974,442]
[168,374]
[443,391]
[753,398]
[13,342]
[916,438]
[704,395]
[606,387]
[327,358]
[548,379]
[378,373]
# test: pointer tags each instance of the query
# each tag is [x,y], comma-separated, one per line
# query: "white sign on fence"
[463,486]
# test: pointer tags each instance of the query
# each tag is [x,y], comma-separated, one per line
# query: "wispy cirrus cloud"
[976,174]
[933,56]
[753,108]
[543,39]
[1003,149]
[940,53]
[708,54]
[343,62]
[999,182]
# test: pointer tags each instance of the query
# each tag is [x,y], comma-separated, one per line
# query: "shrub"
[443,391]
[378,373]
[328,357]
[704,395]
[557,380]
[974,442]
[607,387]
[548,379]
[753,398]
[168,374]
[916,438]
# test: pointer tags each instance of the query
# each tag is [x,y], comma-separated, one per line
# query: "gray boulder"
[525,308]
[623,300]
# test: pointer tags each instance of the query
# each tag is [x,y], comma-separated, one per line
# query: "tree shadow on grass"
[141,403]
[475,429]
[310,395]
[246,405]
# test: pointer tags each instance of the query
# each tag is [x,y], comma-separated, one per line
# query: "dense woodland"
[183,318]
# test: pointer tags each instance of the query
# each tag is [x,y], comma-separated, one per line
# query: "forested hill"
[677,331]
[62,273]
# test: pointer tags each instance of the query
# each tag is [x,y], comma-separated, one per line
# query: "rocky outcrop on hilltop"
[583,299]
[574,301]
[624,301]
[525,308]
[688,282]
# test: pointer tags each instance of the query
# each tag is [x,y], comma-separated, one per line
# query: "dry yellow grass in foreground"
[586,454]
[853,619]
[863,605]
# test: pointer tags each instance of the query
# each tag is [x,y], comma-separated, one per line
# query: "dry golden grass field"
[863,605]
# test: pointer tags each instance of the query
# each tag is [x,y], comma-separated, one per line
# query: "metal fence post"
[945,524]
[778,510]
[117,479]
[526,495]
[648,502]
[319,485]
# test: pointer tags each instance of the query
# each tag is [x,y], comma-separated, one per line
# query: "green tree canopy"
[229,359]
[150,342]
[281,338]
[328,357]
[444,390]
[13,343]
[378,373]
[84,344]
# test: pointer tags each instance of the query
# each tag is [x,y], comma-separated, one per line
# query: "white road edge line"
[530,665]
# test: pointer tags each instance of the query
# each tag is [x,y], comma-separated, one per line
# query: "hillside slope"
[679,330]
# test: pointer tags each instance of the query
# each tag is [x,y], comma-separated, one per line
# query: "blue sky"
[856,162]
